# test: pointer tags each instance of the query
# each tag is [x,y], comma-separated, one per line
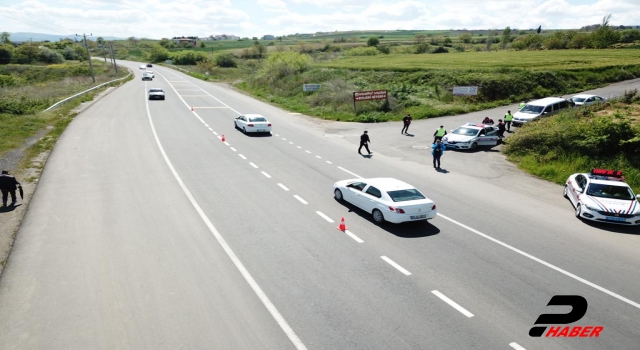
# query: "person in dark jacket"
[437,150]
[501,129]
[406,121]
[364,140]
[8,186]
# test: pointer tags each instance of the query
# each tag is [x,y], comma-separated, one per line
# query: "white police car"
[471,135]
[602,195]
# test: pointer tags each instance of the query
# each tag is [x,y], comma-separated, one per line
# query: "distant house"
[223,37]
[268,37]
[185,40]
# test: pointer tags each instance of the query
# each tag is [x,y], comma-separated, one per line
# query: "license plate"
[423,216]
[261,130]
[613,218]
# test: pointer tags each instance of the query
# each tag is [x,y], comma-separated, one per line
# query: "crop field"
[478,61]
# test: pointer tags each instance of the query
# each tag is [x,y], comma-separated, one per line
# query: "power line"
[18,17]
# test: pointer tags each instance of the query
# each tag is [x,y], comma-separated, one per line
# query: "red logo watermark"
[579,309]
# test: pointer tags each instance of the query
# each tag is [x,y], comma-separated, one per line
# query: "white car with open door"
[602,195]
[470,136]
[386,199]
[252,123]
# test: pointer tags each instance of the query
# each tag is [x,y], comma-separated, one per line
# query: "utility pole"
[93,77]
[113,57]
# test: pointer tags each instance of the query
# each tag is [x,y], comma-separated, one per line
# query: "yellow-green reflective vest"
[508,117]
[441,132]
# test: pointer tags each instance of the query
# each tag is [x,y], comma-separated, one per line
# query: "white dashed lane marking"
[394,264]
[253,165]
[283,187]
[516,346]
[356,238]
[452,303]
[324,216]
[233,149]
[265,174]
[243,157]
[300,199]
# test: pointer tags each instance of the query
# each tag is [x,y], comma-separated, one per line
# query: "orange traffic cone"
[343,226]
[223,139]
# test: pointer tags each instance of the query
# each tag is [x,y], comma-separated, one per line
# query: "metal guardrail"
[176,67]
[84,92]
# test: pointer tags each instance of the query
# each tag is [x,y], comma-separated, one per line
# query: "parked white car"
[156,94]
[150,72]
[386,199]
[604,196]
[470,136]
[252,123]
[585,100]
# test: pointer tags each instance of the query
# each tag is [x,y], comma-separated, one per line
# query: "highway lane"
[196,108]
[303,173]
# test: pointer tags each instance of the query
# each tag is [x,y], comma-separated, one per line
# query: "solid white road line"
[329,162]
[564,272]
[283,187]
[356,238]
[452,303]
[516,346]
[324,216]
[210,129]
[293,337]
[233,149]
[241,156]
[354,174]
[393,263]
[300,199]
[318,157]
[253,165]
[205,124]
[265,174]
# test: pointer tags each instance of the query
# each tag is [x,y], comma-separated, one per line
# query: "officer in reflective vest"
[439,134]
[507,120]
[521,105]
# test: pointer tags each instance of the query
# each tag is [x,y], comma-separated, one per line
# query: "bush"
[385,49]
[362,51]
[281,64]
[6,53]
[188,58]
[69,53]
[373,41]
[226,60]
[50,56]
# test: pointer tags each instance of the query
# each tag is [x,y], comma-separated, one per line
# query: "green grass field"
[544,60]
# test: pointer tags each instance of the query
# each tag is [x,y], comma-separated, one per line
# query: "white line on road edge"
[354,174]
[329,162]
[318,157]
[283,187]
[300,199]
[241,156]
[393,263]
[516,346]
[205,124]
[233,149]
[324,216]
[356,238]
[293,337]
[452,303]
[265,174]
[253,165]
[567,273]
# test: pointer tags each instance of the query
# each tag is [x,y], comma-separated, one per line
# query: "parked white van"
[539,108]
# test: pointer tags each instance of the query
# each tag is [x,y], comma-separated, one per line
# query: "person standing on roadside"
[507,120]
[8,186]
[501,129]
[437,150]
[439,134]
[407,121]
[364,140]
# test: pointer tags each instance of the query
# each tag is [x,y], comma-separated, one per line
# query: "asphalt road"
[147,231]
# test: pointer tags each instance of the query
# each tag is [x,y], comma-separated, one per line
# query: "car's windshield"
[465,131]
[610,191]
[532,109]
[405,195]
[155,90]
[578,99]
[258,119]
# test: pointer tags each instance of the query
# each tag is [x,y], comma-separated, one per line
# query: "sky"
[156,19]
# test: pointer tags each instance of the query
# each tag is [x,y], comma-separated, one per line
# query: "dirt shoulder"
[11,217]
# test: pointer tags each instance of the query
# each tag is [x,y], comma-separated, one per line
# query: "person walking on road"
[8,186]
[364,141]
[407,121]
[501,129]
[507,120]
[439,134]
[437,150]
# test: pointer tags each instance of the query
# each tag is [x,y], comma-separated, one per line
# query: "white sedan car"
[150,72]
[252,123]
[386,199]
[602,195]
[585,100]
[470,136]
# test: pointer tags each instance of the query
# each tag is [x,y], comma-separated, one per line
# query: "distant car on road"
[156,94]
[149,65]
[252,123]
[146,76]
[150,72]
[386,199]
[142,66]
[470,136]
[585,100]
[603,195]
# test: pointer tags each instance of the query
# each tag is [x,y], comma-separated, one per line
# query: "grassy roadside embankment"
[599,136]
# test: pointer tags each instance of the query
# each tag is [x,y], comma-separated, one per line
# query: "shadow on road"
[416,229]
[255,134]
[627,230]
[9,208]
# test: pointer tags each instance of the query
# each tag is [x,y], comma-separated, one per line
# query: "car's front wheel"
[378,218]
[565,193]
[578,211]
[337,194]
[244,130]
[474,145]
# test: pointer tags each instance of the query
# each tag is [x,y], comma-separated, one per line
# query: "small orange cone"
[223,139]
[343,226]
